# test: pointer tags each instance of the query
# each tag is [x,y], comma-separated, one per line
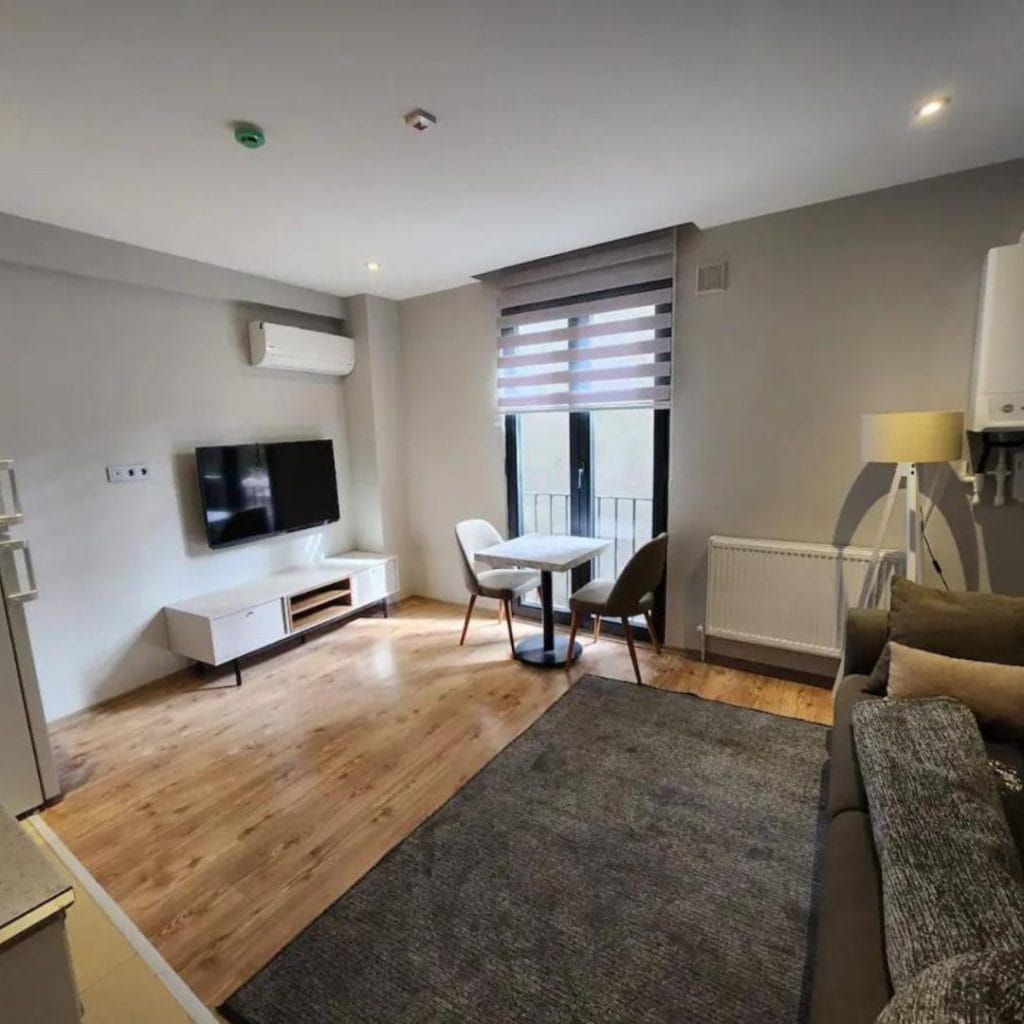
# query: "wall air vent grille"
[711,277]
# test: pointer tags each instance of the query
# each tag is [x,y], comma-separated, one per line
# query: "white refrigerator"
[28,777]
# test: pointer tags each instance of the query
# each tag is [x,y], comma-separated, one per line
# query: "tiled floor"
[116,985]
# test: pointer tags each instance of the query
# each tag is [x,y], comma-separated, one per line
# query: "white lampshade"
[912,436]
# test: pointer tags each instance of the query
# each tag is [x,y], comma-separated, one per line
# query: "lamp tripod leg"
[913,525]
[868,597]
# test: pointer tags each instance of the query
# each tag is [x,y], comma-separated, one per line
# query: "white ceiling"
[562,122]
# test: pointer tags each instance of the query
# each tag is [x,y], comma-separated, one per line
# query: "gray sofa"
[850,983]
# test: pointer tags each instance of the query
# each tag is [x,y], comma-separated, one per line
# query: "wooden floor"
[224,820]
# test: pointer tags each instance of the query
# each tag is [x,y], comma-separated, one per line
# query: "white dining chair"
[505,585]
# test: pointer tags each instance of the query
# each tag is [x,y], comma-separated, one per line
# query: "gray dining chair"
[631,594]
[473,535]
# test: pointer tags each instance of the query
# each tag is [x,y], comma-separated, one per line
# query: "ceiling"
[561,122]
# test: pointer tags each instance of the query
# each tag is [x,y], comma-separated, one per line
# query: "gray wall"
[860,305]
[453,434]
[94,372]
[865,304]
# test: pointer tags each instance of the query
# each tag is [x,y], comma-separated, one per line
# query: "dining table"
[549,553]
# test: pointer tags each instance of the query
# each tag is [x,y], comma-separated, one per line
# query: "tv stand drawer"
[375,583]
[248,630]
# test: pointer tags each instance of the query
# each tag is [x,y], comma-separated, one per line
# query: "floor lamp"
[908,439]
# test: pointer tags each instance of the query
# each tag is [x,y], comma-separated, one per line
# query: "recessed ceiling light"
[372,266]
[932,108]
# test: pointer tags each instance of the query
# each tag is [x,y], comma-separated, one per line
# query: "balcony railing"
[626,522]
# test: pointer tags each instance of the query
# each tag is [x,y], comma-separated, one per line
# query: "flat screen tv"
[250,491]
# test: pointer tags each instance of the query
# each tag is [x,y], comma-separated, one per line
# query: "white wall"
[364,486]
[31,243]
[860,305]
[94,372]
[374,414]
[454,438]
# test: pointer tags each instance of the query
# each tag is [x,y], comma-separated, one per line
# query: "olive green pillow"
[975,627]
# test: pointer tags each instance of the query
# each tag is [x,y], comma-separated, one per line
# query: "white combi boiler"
[997,387]
[28,777]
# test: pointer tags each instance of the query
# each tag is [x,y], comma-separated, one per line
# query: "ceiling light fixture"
[373,267]
[932,108]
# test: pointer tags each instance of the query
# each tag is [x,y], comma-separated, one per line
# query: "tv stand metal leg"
[238,673]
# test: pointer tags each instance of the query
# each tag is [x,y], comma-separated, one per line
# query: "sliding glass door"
[601,473]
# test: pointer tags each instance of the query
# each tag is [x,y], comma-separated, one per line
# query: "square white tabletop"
[547,552]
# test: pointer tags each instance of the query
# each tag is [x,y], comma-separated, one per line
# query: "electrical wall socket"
[127,474]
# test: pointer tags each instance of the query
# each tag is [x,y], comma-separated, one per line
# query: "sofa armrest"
[867,630]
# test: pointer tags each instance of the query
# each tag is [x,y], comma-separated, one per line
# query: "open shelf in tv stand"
[226,625]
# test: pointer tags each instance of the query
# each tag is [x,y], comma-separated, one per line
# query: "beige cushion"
[995,693]
[506,583]
[593,597]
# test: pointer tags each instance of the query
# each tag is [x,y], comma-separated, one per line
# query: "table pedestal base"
[532,650]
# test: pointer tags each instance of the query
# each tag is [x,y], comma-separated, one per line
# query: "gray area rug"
[635,856]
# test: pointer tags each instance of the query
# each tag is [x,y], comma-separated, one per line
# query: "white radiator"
[790,595]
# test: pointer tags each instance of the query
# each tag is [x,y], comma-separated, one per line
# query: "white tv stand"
[225,625]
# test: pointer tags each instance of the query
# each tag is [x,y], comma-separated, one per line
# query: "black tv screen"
[259,490]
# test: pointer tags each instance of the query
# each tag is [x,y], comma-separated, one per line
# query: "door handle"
[579,477]
[31,592]
[13,514]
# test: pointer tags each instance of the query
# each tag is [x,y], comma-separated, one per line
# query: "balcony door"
[601,473]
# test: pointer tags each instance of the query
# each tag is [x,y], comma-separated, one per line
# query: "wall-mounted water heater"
[997,384]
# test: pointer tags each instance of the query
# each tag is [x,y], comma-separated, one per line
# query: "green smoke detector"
[249,135]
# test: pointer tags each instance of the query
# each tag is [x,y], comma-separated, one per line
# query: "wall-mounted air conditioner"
[997,386]
[277,347]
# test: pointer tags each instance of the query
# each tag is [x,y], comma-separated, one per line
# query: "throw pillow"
[950,870]
[995,693]
[978,627]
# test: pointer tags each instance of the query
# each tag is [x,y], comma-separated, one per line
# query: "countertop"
[31,888]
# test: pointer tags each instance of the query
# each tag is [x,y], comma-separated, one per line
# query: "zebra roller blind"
[588,330]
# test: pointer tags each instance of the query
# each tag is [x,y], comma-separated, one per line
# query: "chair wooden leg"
[501,608]
[508,621]
[469,612]
[627,627]
[573,626]
[597,628]
[653,632]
